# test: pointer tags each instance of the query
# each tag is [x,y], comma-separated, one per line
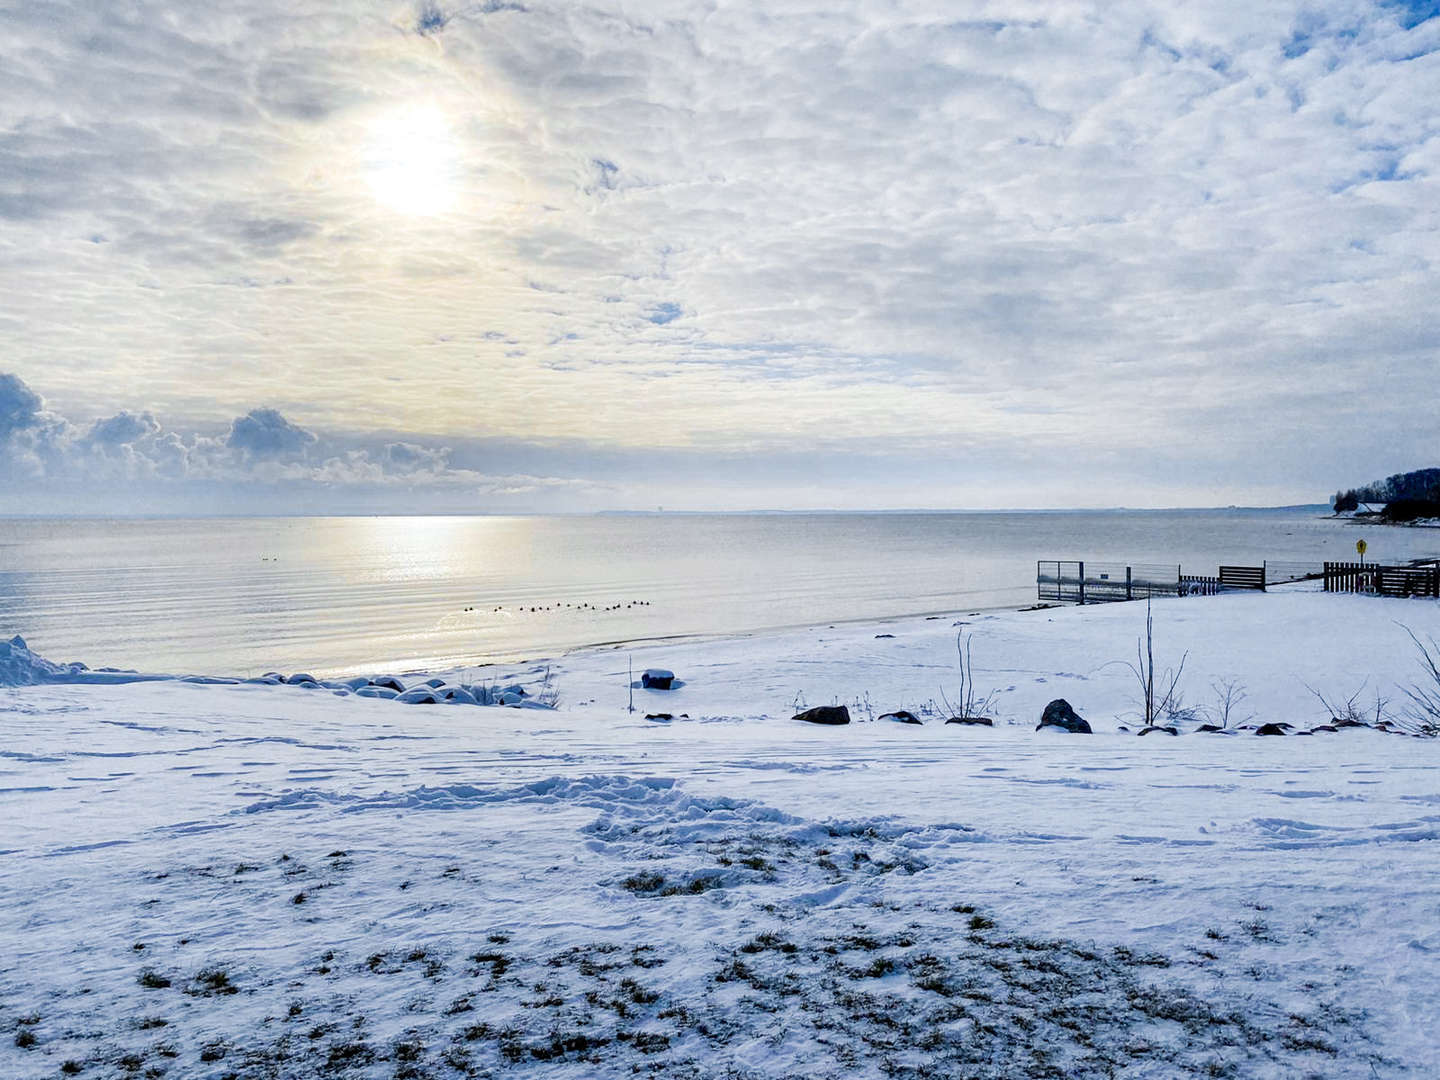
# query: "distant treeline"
[1406,496]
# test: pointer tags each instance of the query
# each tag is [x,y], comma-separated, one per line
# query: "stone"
[421,695]
[901,716]
[1156,729]
[656,679]
[1210,728]
[1059,714]
[978,721]
[389,682]
[1270,729]
[824,714]
[301,677]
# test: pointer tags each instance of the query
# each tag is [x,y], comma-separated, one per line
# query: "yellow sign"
[1360,546]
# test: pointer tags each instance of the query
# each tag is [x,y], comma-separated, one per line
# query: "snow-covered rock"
[656,679]
[1059,714]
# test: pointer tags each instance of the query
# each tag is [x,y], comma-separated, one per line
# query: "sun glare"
[412,161]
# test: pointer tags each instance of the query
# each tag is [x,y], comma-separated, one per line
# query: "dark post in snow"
[1128,594]
[1082,583]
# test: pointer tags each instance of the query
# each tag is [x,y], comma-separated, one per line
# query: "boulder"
[1324,727]
[1156,729]
[302,677]
[434,684]
[421,695]
[375,692]
[901,716]
[824,714]
[1060,715]
[1211,728]
[456,695]
[982,721]
[389,681]
[1270,729]
[656,679]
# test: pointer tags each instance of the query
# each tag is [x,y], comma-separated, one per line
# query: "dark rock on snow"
[1157,729]
[1059,714]
[901,716]
[981,721]
[824,714]
[656,679]
[1210,728]
[390,682]
[1270,729]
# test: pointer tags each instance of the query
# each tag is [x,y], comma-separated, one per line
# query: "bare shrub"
[1230,695]
[1424,708]
[969,705]
[1159,694]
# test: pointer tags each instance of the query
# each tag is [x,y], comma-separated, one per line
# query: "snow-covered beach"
[265,880]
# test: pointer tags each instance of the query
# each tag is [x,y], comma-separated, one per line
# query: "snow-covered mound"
[20,667]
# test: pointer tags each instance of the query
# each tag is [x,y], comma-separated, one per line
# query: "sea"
[336,595]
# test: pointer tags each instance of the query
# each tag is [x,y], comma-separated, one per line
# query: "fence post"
[1264,575]
[1082,582]
[1128,594]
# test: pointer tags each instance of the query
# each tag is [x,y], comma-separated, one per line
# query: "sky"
[502,257]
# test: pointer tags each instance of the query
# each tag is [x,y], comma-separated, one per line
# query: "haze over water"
[242,596]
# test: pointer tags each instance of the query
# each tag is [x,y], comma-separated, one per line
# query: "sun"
[412,161]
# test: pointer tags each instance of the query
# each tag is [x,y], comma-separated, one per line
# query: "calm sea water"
[244,596]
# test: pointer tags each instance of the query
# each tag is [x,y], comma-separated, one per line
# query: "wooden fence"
[1242,577]
[1382,580]
[1080,582]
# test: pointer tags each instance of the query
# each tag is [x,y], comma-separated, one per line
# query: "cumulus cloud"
[41,452]
[264,433]
[19,406]
[123,428]
[951,236]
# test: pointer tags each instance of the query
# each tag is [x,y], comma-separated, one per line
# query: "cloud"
[264,433]
[19,406]
[775,228]
[123,429]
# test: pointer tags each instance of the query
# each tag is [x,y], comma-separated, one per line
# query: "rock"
[421,695]
[1155,728]
[509,698]
[658,716]
[301,677]
[1346,723]
[456,695]
[980,721]
[264,680]
[390,682]
[1209,728]
[879,636]
[901,716]
[16,642]
[434,684]
[375,692]
[824,714]
[1324,727]
[1118,727]
[656,679]
[1270,729]
[357,682]
[1059,714]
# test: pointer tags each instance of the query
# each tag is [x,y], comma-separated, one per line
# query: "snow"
[263,879]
